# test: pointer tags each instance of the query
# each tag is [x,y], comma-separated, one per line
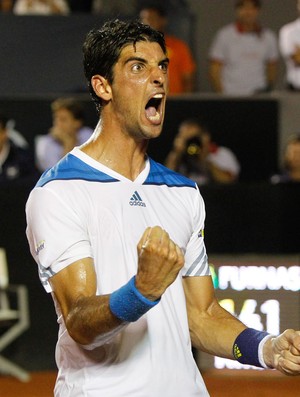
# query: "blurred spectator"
[41,7]
[243,57]
[196,156]
[291,163]
[6,6]
[182,67]
[68,131]
[15,162]
[289,45]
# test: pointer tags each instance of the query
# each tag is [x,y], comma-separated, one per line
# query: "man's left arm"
[216,331]
[212,328]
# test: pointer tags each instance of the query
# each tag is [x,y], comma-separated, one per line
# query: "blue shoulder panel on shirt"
[161,175]
[71,167]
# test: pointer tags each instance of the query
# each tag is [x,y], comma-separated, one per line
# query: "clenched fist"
[283,352]
[159,262]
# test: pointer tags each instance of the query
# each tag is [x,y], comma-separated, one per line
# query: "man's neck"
[118,152]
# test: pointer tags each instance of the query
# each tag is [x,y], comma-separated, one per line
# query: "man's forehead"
[141,47]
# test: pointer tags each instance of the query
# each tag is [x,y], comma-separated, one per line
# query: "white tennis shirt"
[80,208]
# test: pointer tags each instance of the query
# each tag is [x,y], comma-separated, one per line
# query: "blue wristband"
[246,346]
[128,304]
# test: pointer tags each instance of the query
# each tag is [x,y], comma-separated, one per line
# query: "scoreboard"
[263,291]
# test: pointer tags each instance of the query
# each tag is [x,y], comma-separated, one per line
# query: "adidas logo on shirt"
[136,200]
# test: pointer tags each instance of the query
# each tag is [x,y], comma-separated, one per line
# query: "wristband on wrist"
[247,348]
[128,304]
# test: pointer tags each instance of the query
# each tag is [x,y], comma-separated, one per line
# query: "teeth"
[154,118]
[158,96]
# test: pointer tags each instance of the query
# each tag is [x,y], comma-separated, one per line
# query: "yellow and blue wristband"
[247,348]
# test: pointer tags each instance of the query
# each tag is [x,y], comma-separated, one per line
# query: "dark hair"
[102,48]
[240,3]
[72,105]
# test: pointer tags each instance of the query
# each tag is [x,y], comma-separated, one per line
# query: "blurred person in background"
[289,46]
[182,66]
[68,130]
[195,155]
[41,7]
[243,56]
[15,162]
[291,162]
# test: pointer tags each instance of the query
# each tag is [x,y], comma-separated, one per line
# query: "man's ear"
[101,87]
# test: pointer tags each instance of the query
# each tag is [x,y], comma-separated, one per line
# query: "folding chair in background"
[14,318]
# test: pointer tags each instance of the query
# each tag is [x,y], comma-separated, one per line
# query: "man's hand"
[159,262]
[283,352]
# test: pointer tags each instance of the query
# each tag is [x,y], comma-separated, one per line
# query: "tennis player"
[118,240]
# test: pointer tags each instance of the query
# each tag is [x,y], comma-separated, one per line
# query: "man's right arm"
[87,316]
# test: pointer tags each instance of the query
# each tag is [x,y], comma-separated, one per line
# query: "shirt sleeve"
[196,261]
[55,234]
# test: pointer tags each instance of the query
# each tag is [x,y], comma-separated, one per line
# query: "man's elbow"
[78,331]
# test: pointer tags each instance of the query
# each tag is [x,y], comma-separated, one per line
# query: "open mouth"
[153,108]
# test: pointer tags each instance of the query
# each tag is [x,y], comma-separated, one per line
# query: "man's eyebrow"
[130,59]
[165,60]
[142,60]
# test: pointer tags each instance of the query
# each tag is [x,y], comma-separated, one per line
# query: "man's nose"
[158,76]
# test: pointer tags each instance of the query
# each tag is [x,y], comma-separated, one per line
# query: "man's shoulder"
[72,167]
[161,175]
